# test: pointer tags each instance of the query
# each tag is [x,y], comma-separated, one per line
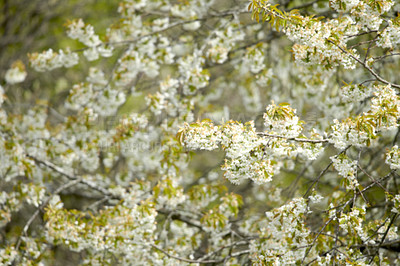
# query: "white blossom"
[16,74]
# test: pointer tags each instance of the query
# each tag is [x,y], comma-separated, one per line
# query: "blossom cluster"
[383,115]
[16,74]
[393,158]
[313,42]
[355,92]
[143,57]
[390,36]
[353,221]
[282,120]
[346,133]
[366,13]
[385,107]
[49,60]
[285,235]
[248,155]
[347,169]
[254,59]
[193,76]
[223,42]
[78,30]
[102,100]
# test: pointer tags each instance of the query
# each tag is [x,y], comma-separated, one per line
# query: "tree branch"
[373,73]
[293,139]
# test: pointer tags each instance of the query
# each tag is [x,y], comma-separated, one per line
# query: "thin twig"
[294,139]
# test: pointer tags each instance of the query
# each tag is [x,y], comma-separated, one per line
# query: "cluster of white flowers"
[355,92]
[129,67]
[33,248]
[138,143]
[8,255]
[345,134]
[246,155]
[12,158]
[347,169]
[97,78]
[223,43]
[201,136]
[9,202]
[49,60]
[34,194]
[390,36]
[285,236]
[310,151]
[383,115]
[263,79]
[143,57]
[77,29]
[385,106]
[191,9]
[254,59]
[130,27]
[79,96]
[366,13]
[245,151]
[353,221]
[315,198]
[16,74]
[166,100]
[169,193]
[89,159]
[136,119]
[193,76]
[107,101]
[238,139]
[103,100]
[249,156]
[160,24]
[393,158]
[311,46]
[71,149]
[230,205]
[282,120]
[129,7]
[344,5]
[136,159]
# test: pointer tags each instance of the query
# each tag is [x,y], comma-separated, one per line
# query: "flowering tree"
[196,137]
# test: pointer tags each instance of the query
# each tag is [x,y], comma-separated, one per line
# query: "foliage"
[186,133]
